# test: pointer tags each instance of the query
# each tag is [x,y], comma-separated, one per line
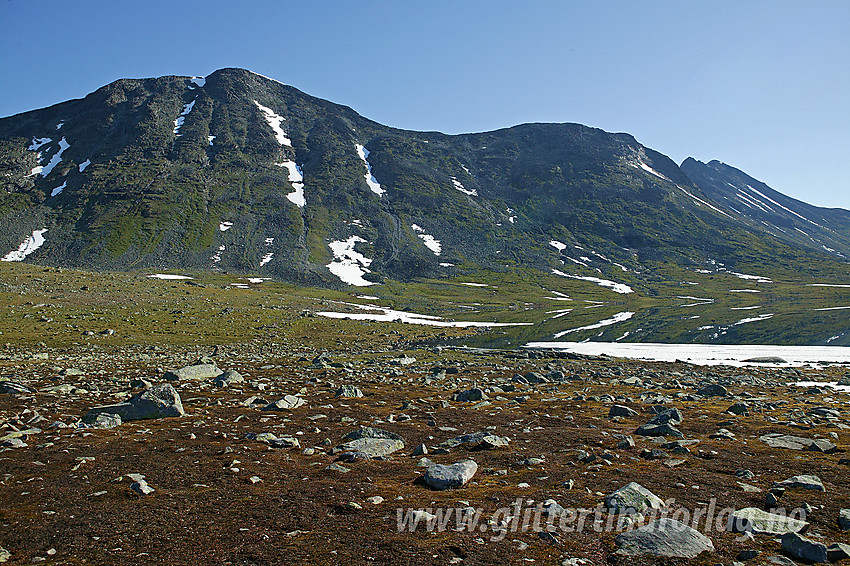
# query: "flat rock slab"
[287,402]
[197,371]
[800,547]
[369,448]
[633,498]
[14,388]
[759,522]
[789,442]
[659,430]
[156,402]
[441,477]
[802,482]
[664,537]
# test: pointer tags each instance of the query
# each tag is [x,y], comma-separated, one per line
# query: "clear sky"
[761,85]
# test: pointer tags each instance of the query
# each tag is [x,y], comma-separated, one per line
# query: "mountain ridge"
[170,160]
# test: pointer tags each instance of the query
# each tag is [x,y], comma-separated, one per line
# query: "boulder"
[713,390]
[442,477]
[633,498]
[659,430]
[800,547]
[664,537]
[367,448]
[470,395]
[621,411]
[348,392]
[371,432]
[229,377]
[156,402]
[197,371]
[14,388]
[491,442]
[801,482]
[759,522]
[287,402]
[789,442]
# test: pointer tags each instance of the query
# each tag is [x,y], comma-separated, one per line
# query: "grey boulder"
[229,377]
[287,402]
[800,547]
[790,442]
[664,537]
[442,477]
[197,371]
[802,482]
[348,392]
[633,498]
[759,522]
[156,402]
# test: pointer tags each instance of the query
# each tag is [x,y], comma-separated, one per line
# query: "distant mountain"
[788,219]
[239,172]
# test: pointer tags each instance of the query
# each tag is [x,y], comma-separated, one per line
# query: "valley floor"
[232,486]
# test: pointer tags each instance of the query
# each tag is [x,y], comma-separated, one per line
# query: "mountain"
[787,219]
[239,172]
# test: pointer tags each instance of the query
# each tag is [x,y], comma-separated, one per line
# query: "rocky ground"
[157,422]
[256,468]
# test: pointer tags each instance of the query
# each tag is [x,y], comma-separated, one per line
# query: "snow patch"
[58,190]
[84,164]
[560,246]
[225,226]
[210,139]
[373,183]
[274,121]
[619,317]
[266,258]
[461,188]
[198,81]
[753,319]
[178,123]
[28,246]
[168,276]
[621,288]
[296,178]
[833,309]
[430,242]
[390,315]
[349,265]
[704,354]
[54,161]
[38,142]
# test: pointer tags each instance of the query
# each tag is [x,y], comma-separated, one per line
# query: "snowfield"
[31,244]
[274,121]
[704,354]
[381,314]
[373,183]
[621,288]
[348,264]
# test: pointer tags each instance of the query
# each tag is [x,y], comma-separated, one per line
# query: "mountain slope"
[239,172]
[786,218]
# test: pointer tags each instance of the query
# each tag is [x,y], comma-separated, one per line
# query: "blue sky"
[761,85]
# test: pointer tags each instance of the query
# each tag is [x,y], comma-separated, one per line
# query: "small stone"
[375,500]
[338,468]
[621,411]
[141,487]
[844,519]
[254,479]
